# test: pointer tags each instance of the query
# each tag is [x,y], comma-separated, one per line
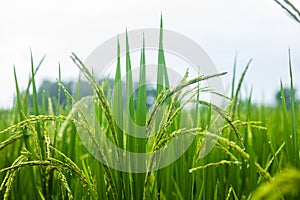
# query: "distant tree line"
[49,89]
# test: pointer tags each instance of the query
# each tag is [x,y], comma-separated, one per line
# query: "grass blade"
[293,113]
[162,74]
[118,101]
[129,84]
[235,98]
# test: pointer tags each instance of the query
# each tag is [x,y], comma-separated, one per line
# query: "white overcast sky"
[257,29]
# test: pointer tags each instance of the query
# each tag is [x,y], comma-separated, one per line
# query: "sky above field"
[257,29]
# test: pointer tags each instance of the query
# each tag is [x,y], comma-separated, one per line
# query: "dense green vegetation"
[256,155]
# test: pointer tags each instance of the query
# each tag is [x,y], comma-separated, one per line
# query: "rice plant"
[255,156]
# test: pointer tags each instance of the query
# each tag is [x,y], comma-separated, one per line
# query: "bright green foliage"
[162,73]
[118,100]
[256,152]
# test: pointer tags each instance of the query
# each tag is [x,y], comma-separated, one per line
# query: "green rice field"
[255,152]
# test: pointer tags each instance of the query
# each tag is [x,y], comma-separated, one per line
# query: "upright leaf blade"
[21,110]
[129,84]
[293,113]
[36,109]
[41,139]
[162,74]
[141,106]
[141,114]
[117,100]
